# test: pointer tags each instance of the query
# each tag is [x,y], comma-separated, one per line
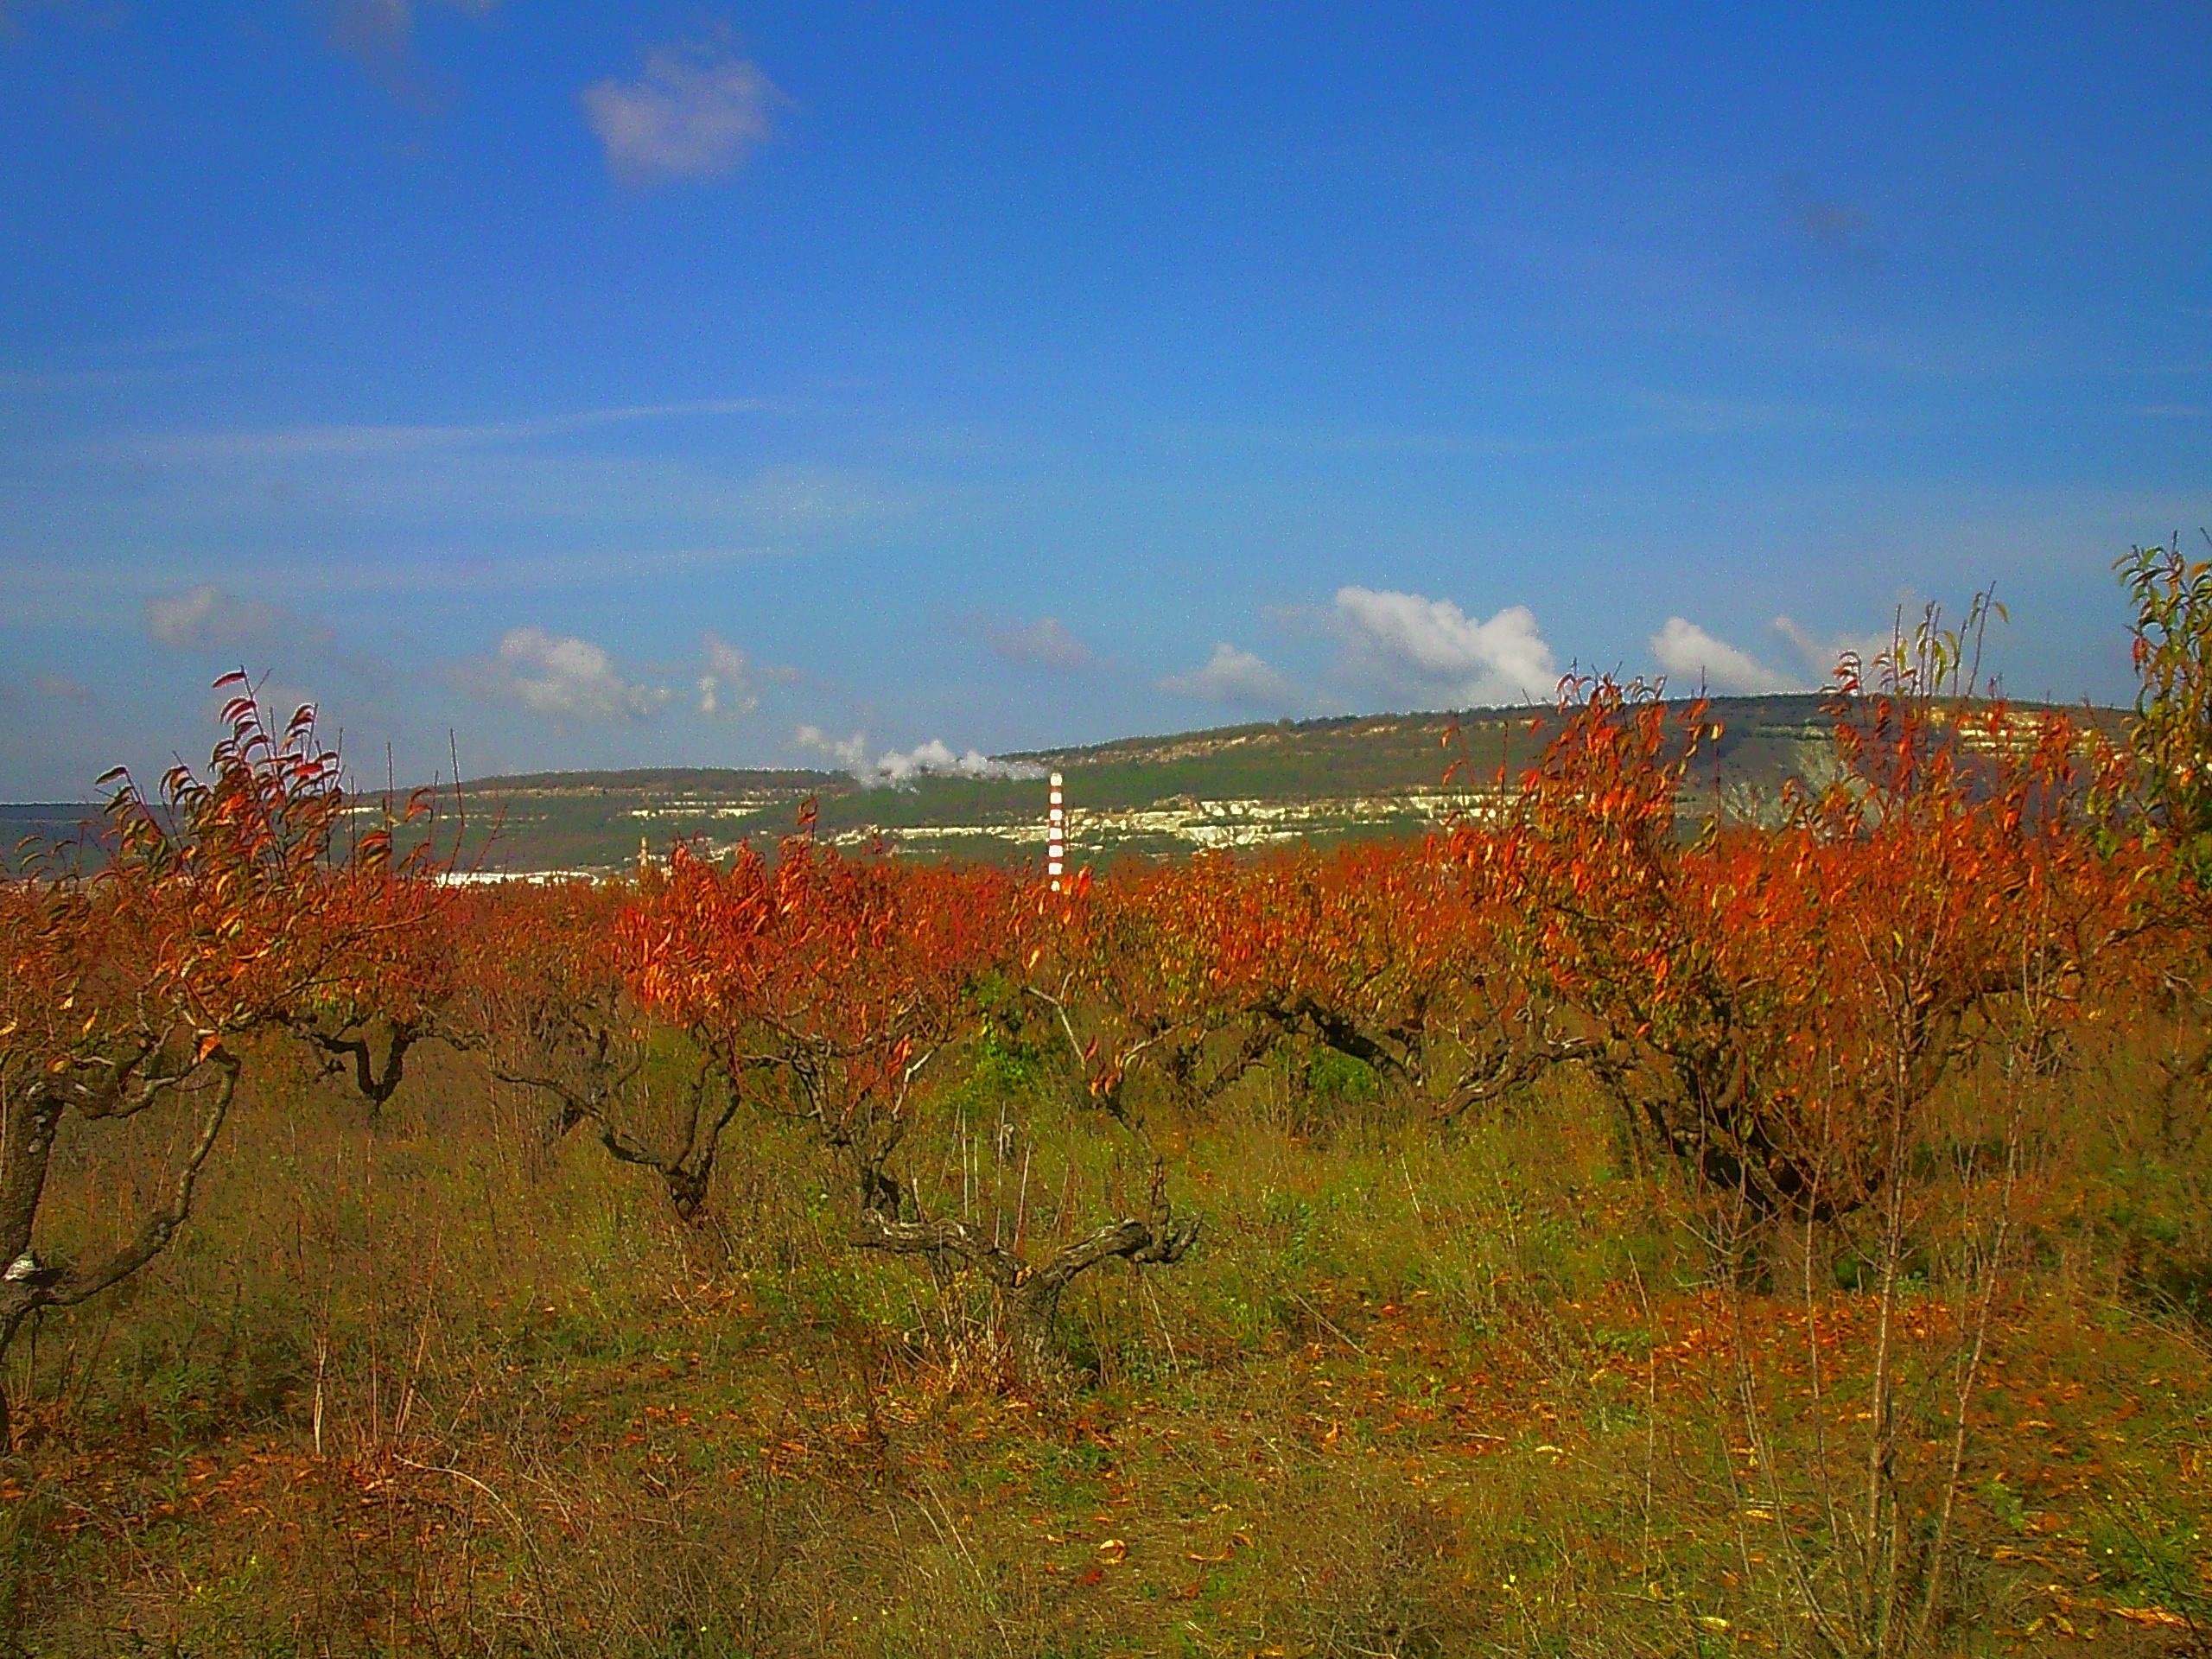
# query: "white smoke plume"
[900,769]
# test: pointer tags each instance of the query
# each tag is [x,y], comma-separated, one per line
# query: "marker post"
[1056,845]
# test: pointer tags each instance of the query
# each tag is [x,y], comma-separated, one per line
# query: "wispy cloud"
[1043,644]
[379,35]
[1233,675]
[72,595]
[210,618]
[299,442]
[1686,652]
[726,688]
[1672,414]
[560,678]
[205,618]
[59,688]
[695,110]
[803,499]
[849,751]
[52,380]
[1821,656]
[901,768]
[1689,655]
[1429,650]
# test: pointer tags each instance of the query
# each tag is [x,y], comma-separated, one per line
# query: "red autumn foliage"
[1775,1006]
[828,983]
[220,914]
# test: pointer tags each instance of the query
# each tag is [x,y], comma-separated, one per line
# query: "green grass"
[1420,1391]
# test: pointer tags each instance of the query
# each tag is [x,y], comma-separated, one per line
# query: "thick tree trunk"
[27,1122]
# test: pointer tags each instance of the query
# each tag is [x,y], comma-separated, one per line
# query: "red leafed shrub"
[1775,1006]
[221,913]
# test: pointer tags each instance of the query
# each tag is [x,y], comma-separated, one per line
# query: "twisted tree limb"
[1031,1291]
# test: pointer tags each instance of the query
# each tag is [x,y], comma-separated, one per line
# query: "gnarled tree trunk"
[1029,1292]
[27,1126]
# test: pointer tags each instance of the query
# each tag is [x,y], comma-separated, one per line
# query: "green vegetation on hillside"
[1317,781]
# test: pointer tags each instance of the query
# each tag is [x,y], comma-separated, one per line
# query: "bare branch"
[155,1231]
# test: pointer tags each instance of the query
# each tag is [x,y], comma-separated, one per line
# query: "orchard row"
[1771,1008]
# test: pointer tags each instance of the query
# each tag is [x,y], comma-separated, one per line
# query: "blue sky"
[750,384]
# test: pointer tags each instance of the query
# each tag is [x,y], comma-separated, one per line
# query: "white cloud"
[561,678]
[934,758]
[694,112]
[850,752]
[1821,656]
[726,686]
[1688,653]
[1043,643]
[814,499]
[206,617]
[1429,649]
[1232,676]
[351,442]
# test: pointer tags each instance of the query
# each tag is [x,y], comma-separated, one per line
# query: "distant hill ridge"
[1251,784]
[1245,785]
[1340,736]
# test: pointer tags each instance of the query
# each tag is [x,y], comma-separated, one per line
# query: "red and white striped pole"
[1056,845]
